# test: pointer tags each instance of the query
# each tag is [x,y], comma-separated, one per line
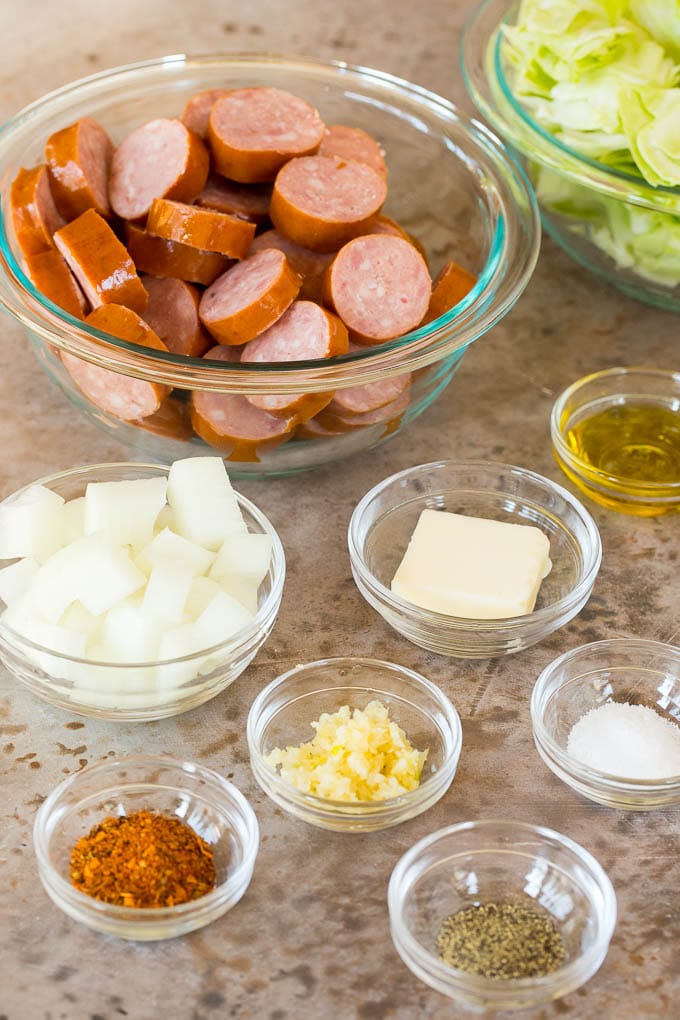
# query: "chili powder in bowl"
[196,832]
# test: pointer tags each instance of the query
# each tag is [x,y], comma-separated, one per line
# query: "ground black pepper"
[501,940]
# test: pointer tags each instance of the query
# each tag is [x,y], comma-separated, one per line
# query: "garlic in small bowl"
[137,591]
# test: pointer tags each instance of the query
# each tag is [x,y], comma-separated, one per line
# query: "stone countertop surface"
[310,939]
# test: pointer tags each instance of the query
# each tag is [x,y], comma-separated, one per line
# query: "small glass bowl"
[141,691]
[201,798]
[282,713]
[383,523]
[498,861]
[615,388]
[451,184]
[620,669]
[613,223]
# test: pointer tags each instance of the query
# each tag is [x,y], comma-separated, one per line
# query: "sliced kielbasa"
[321,202]
[254,131]
[380,287]
[172,313]
[200,228]
[450,287]
[49,273]
[160,159]
[100,262]
[309,265]
[249,297]
[35,217]
[197,110]
[79,160]
[159,257]
[248,201]
[353,143]
[390,414]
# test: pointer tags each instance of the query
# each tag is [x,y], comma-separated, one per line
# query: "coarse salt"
[629,741]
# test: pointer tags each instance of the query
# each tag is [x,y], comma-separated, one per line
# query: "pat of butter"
[472,567]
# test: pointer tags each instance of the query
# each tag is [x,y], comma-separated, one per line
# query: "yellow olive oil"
[639,442]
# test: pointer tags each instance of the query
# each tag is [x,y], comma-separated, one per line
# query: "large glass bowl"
[451,184]
[613,223]
[141,691]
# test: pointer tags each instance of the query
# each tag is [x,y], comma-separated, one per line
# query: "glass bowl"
[201,798]
[383,522]
[451,184]
[281,715]
[621,670]
[611,390]
[494,861]
[613,223]
[141,691]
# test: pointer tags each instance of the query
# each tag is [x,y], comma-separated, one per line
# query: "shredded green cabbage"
[602,76]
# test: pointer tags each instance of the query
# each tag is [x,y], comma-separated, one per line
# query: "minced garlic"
[358,755]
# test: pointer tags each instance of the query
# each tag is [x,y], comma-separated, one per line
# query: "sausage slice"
[34,215]
[390,414]
[159,257]
[248,201]
[79,160]
[230,423]
[321,202]
[160,159]
[379,286]
[117,394]
[249,298]
[353,143]
[172,313]
[309,265]
[450,287]
[49,273]
[100,262]
[197,111]
[200,228]
[254,131]
[305,332]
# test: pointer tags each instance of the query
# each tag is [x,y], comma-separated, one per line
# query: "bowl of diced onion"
[353,744]
[135,591]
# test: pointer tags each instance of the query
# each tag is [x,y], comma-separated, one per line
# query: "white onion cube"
[125,511]
[243,590]
[245,556]
[16,579]
[201,592]
[223,617]
[129,635]
[167,591]
[72,520]
[167,547]
[203,502]
[81,621]
[30,524]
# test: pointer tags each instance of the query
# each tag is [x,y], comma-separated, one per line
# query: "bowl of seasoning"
[145,847]
[501,914]
[473,559]
[606,721]
[353,744]
[616,435]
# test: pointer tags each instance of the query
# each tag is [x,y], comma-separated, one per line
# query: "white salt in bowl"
[383,523]
[141,691]
[620,670]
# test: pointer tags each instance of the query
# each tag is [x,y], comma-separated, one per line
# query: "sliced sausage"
[110,391]
[171,421]
[389,413]
[385,225]
[321,202]
[254,131]
[49,273]
[100,262]
[313,429]
[79,160]
[305,332]
[379,286]
[248,201]
[369,397]
[249,297]
[161,159]
[309,265]
[172,313]
[450,287]
[34,215]
[200,228]
[197,111]
[230,423]
[159,257]
[353,143]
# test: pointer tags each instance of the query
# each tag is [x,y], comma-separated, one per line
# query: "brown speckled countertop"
[310,940]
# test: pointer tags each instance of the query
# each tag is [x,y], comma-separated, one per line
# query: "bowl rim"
[591,555]
[605,912]
[47,820]
[536,142]
[579,771]
[500,283]
[636,490]
[244,638]
[357,810]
